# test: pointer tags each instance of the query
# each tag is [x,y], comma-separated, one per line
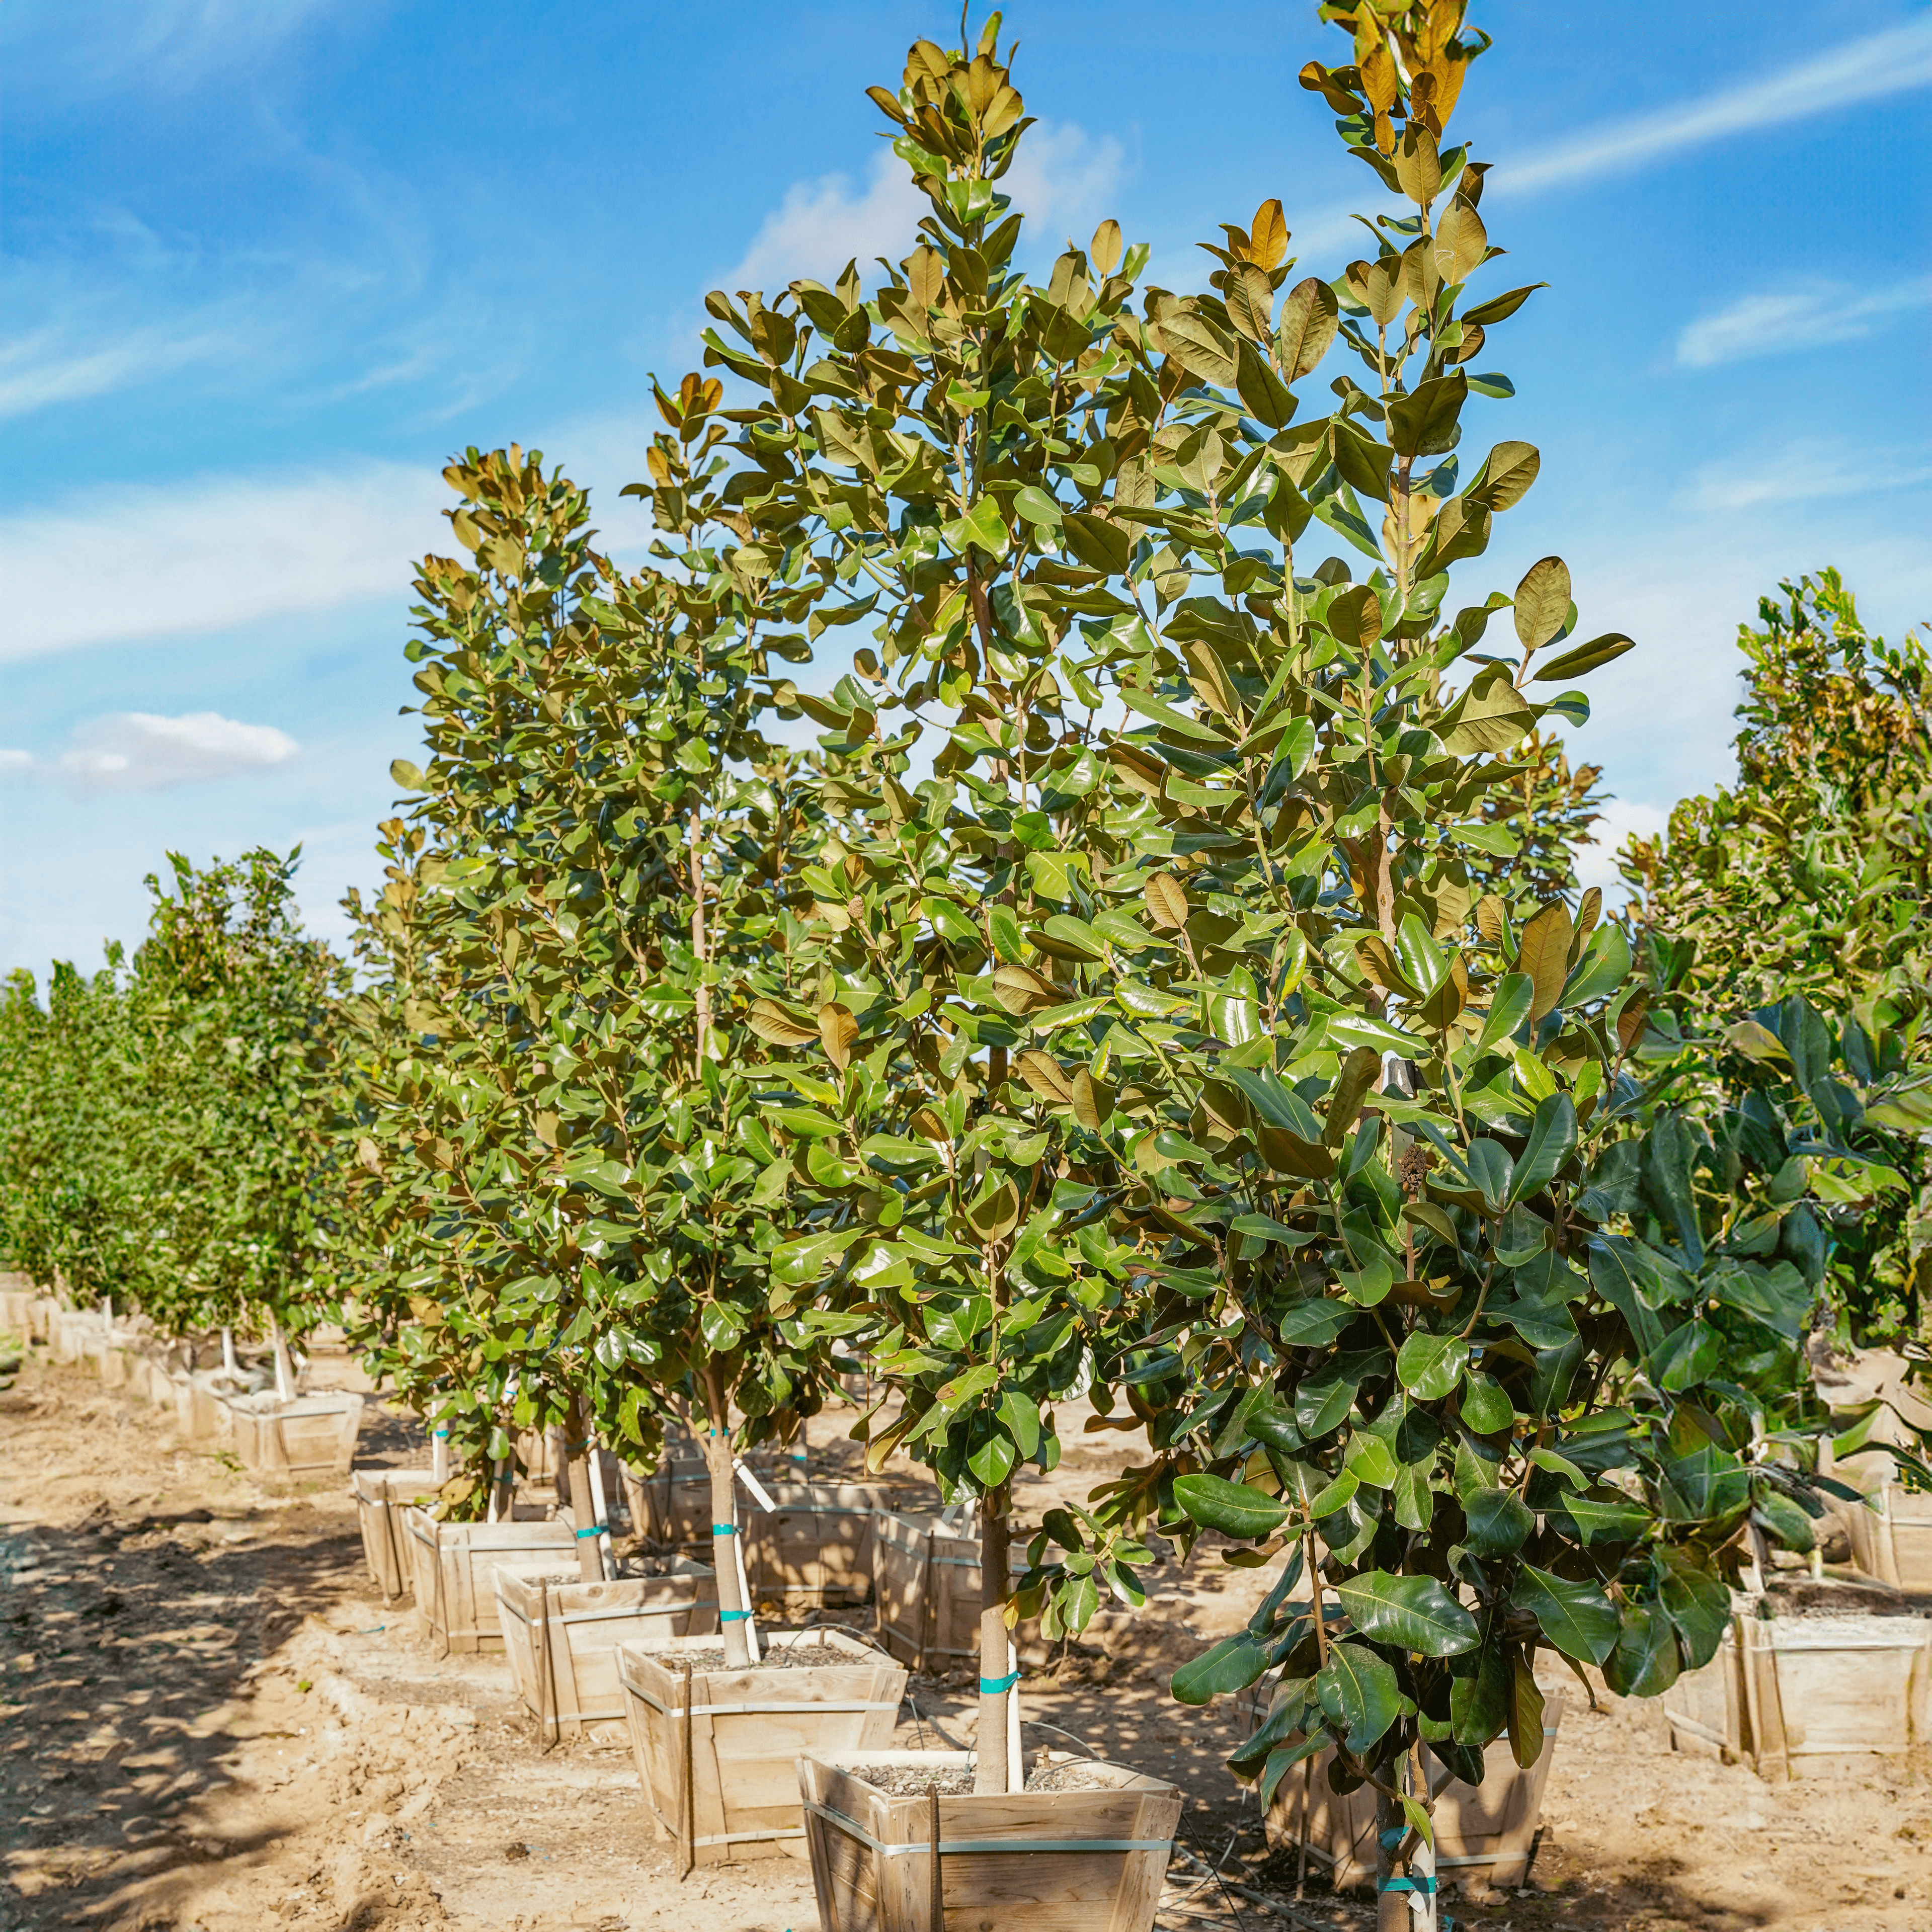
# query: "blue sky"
[268,263]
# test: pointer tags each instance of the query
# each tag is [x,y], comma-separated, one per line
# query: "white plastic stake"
[601,1517]
[756,1488]
[744,1596]
[439,1437]
[1015,1764]
[230,1367]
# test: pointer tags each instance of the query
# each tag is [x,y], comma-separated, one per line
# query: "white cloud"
[1596,862]
[172,43]
[1887,63]
[34,372]
[14,761]
[1801,473]
[1059,176]
[148,561]
[139,751]
[1768,324]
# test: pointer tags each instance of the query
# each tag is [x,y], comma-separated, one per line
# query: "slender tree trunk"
[702,1013]
[582,1507]
[993,1772]
[1392,1913]
[733,1610]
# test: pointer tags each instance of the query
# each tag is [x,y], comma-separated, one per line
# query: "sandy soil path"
[211,1724]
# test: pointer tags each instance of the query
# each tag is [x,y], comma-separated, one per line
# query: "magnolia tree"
[572,1189]
[1190,1058]
[1807,879]
[166,1121]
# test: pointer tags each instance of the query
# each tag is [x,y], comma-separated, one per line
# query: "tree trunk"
[1392,1908]
[993,1772]
[582,1508]
[734,1613]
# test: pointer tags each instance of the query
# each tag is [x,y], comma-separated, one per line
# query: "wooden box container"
[312,1435]
[1486,1830]
[381,1497]
[672,1505]
[722,1775]
[925,1583]
[1891,1539]
[452,1567]
[1074,1860]
[816,1546]
[1809,1697]
[199,1413]
[562,1634]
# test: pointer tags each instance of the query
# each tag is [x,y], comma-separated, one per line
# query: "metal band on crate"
[950,1847]
[995,1687]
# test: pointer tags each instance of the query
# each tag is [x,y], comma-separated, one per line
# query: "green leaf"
[1574,663]
[1644,1661]
[1578,1618]
[1485,1407]
[1428,1366]
[1232,1508]
[1499,1521]
[1232,1664]
[1552,1139]
[1037,507]
[1509,1007]
[1359,1693]
[1409,1613]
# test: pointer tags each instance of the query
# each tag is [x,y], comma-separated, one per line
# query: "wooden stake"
[688,1846]
[936,1915]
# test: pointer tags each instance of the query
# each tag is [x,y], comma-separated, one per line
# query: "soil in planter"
[780,1656]
[912,1780]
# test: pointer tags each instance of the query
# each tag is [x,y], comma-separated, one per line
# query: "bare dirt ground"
[209,1722]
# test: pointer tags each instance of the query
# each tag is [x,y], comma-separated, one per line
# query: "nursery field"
[212,1722]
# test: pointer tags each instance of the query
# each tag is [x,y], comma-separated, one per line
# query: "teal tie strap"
[596,1529]
[992,1686]
[732,1616]
[1425,1885]
[724,1529]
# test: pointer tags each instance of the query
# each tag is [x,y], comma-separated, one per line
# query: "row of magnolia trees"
[1158,976]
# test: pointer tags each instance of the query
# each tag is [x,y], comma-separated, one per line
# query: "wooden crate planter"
[925,1583]
[1075,1861]
[562,1634]
[452,1567]
[722,1775]
[381,1498]
[200,1414]
[311,1436]
[1892,1539]
[1808,1696]
[1484,1831]
[671,1506]
[816,1546]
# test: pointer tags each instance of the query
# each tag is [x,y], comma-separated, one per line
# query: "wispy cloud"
[1060,175]
[1888,63]
[164,44]
[207,554]
[43,368]
[1804,471]
[1773,321]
